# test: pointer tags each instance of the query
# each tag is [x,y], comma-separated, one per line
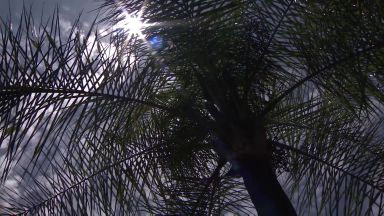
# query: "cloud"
[66,8]
[65,25]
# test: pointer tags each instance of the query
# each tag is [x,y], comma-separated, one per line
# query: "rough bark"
[263,187]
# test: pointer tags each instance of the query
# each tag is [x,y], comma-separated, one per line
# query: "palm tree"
[222,106]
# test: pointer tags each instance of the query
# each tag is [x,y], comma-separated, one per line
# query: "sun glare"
[134,25]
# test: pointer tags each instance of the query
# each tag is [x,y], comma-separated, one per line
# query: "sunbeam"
[132,23]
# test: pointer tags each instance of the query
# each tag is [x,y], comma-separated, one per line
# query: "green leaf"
[35,44]
[50,40]
[10,130]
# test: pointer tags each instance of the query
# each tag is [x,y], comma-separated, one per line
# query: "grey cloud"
[68,9]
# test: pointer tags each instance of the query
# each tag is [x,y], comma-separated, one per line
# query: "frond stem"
[312,75]
[94,174]
[72,91]
[266,48]
[215,174]
[298,151]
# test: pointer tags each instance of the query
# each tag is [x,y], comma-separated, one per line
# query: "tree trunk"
[263,187]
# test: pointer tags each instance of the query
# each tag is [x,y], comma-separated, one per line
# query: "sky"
[69,10]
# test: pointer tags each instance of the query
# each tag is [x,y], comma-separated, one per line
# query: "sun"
[131,22]
[133,25]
